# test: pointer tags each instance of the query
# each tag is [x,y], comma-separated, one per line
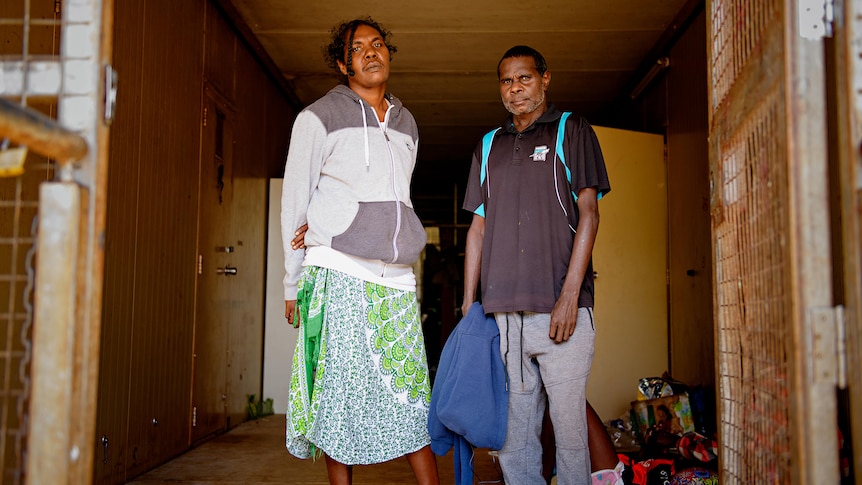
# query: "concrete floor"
[253,453]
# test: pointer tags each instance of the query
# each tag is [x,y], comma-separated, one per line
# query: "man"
[359,391]
[535,219]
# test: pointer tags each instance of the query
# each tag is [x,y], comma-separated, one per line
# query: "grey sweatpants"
[538,366]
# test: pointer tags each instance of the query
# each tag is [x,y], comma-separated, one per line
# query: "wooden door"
[245,335]
[846,184]
[630,260]
[215,274]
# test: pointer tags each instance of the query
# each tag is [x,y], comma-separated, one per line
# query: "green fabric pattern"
[309,304]
[389,313]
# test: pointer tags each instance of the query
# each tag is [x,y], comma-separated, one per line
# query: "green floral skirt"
[359,389]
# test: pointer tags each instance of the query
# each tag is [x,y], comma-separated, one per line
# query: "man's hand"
[564,317]
[472,261]
[289,313]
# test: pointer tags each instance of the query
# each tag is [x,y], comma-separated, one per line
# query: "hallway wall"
[280,336]
[166,53]
[675,105]
[690,277]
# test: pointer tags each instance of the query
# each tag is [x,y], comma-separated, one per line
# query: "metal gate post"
[53,362]
[67,323]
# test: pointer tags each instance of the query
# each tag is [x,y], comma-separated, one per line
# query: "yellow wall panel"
[630,258]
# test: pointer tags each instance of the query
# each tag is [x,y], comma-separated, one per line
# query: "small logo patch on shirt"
[539,153]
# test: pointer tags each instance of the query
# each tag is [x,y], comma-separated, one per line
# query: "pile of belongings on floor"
[668,437]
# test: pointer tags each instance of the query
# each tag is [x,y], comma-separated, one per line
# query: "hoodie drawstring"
[365,124]
[383,127]
[506,354]
[520,352]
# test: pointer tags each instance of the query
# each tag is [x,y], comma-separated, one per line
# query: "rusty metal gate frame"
[68,281]
[776,327]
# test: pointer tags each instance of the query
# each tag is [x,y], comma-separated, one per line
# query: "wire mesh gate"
[53,67]
[774,323]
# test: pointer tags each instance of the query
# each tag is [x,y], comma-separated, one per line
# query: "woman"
[359,390]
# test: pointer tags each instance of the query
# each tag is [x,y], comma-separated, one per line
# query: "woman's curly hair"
[334,52]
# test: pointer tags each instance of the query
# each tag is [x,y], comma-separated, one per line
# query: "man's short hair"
[525,51]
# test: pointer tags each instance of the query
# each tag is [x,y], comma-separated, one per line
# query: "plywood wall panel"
[166,239]
[251,143]
[221,51]
[279,121]
[264,122]
[119,284]
[150,238]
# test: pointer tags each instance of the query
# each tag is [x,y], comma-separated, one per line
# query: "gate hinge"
[829,345]
[815,18]
[110,93]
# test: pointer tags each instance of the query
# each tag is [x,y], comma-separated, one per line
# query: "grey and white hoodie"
[348,176]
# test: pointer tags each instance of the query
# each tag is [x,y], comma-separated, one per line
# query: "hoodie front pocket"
[371,235]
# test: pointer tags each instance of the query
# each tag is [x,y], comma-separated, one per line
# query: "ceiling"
[445,67]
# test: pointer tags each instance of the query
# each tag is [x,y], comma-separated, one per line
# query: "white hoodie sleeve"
[301,174]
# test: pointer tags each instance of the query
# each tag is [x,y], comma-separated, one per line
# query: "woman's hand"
[298,241]
[290,313]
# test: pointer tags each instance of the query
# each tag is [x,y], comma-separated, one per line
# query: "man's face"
[370,61]
[522,88]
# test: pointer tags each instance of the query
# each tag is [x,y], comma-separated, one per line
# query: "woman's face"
[370,59]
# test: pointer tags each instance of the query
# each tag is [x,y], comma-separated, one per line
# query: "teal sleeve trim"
[487,141]
[561,136]
[480,211]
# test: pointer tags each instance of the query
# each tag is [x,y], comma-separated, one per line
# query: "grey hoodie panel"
[372,234]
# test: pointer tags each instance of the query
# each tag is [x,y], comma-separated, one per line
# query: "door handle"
[105,449]
[227,271]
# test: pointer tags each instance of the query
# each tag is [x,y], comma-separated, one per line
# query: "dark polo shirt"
[528,241]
